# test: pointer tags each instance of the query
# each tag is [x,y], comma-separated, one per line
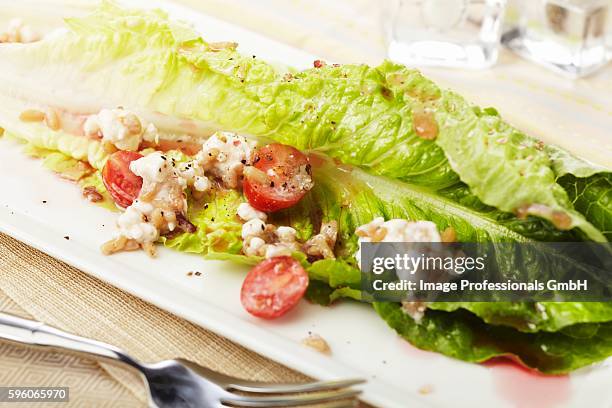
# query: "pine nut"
[32,115]
[132,123]
[52,119]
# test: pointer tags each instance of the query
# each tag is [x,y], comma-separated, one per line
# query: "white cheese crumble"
[416,310]
[120,127]
[224,156]
[19,32]
[286,234]
[160,199]
[261,239]
[134,224]
[253,246]
[193,175]
[247,213]
[396,230]
[273,250]
[253,228]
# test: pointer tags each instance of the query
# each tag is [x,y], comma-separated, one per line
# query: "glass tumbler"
[573,37]
[457,33]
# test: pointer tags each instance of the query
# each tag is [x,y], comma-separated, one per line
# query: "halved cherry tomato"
[273,287]
[279,178]
[123,185]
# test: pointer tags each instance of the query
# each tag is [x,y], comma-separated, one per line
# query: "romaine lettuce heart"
[362,115]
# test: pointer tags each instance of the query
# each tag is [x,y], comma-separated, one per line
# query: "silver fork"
[181,383]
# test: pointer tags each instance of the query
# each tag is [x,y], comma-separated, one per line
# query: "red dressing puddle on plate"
[524,388]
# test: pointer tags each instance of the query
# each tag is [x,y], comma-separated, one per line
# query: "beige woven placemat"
[35,285]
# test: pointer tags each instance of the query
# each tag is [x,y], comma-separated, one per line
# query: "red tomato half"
[273,287]
[284,177]
[123,185]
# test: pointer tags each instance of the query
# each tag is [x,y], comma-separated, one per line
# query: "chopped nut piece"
[330,231]
[92,194]
[109,147]
[317,342]
[322,244]
[18,32]
[416,310]
[157,218]
[449,235]
[426,389]
[32,115]
[52,119]
[379,234]
[150,249]
[132,123]
[183,223]
[222,45]
[119,244]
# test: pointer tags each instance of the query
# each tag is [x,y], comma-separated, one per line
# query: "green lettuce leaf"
[464,336]
[533,317]
[361,115]
[218,228]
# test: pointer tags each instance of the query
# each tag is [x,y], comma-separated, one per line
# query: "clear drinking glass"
[573,37]
[458,33]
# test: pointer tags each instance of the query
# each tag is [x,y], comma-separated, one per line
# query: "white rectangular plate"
[362,344]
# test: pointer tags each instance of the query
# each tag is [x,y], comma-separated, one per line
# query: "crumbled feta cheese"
[277,250]
[262,239]
[224,156]
[119,127]
[19,32]
[160,200]
[254,246]
[193,175]
[247,213]
[133,223]
[286,234]
[153,168]
[396,230]
[416,310]
[201,183]
[253,228]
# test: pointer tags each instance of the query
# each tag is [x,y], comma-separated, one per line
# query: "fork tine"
[289,400]
[255,387]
